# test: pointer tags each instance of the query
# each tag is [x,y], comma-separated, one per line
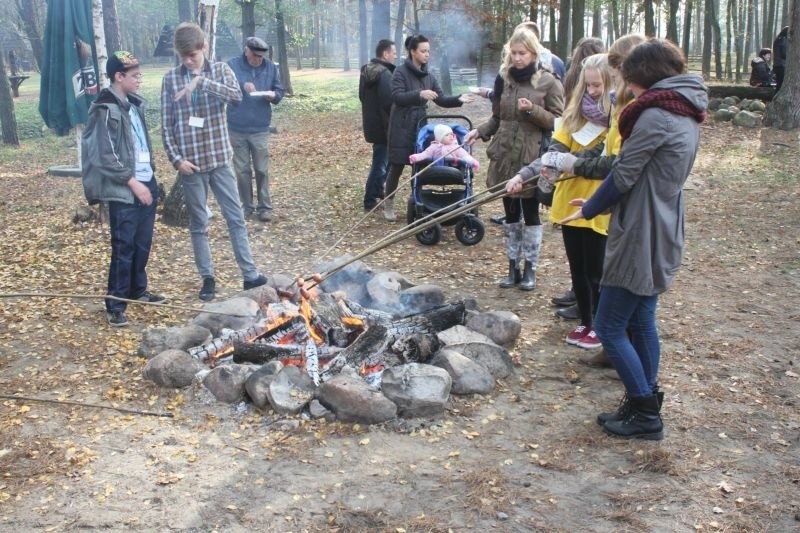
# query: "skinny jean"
[195,192]
[586,251]
[626,325]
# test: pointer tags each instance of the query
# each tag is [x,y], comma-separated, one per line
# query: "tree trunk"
[551,10]
[111,26]
[8,119]
[748,44]
[597,21]
[563,47]
[649,20]
[737,38]
[717,39]
[345,40]
[27,10]
[283,55]
[317,30]
[729,39]
[533,11]
[185,11]
[381,21]
[784,111]
[207,19]
[707,41]
[398,29]
[578,17]
[687,27]
[614,8]
[672,21]
[98,26]
[363,46]
[248,20]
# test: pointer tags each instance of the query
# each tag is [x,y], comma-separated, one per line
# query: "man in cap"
[248,124]
[118,169]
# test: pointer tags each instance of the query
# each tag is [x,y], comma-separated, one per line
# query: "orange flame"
[305,311]
[353,322]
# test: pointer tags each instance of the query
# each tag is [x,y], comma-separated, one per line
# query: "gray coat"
[646,231]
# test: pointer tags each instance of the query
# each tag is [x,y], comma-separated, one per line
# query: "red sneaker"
[590,341]
[575,336]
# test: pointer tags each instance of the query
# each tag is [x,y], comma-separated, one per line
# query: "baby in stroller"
[443,144]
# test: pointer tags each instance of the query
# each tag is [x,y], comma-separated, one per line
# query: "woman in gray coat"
[412,88]
[660,134]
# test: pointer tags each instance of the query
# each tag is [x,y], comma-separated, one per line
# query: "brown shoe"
[264,216]
[599,360]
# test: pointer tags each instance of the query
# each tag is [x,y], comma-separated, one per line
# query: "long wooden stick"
[82,404]
[108,297]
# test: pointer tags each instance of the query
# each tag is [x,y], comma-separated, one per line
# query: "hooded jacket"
[375,93]
[408,108]
[254,113]
[108,150]
[646,231]
[760,74]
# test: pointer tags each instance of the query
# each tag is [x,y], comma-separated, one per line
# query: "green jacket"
[108,150]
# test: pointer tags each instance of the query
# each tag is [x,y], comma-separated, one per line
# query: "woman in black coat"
[412,88]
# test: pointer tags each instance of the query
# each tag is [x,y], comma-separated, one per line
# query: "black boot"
[643,420]
[514,275]
[624,408]
[528,282]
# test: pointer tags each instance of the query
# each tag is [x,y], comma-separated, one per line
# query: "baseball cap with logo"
[257,46]
[120,61]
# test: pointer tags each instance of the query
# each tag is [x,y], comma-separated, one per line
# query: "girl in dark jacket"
[412,88]
[760,74]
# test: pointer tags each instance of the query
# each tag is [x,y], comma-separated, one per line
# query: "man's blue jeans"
[131,227]
[626,325]
[377,175]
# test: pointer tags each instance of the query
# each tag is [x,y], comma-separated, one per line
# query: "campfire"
[304,340]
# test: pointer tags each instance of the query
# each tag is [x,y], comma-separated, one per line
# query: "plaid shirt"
[207,147]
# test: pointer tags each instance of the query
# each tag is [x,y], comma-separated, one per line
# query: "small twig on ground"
[83,404]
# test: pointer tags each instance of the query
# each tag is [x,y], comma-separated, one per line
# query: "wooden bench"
[16,81]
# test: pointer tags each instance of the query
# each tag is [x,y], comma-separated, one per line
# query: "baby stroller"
[446,184]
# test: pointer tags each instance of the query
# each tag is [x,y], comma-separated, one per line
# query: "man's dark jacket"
[375,93]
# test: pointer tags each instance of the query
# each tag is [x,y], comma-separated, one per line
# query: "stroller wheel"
[430,236]
[470,230]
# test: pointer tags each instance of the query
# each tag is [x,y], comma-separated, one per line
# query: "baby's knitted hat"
[440,130]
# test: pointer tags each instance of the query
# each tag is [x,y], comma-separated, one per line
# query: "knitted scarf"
[591,111]
[666,99]
[519,75]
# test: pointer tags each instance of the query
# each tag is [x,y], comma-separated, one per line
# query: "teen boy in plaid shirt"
[193,126]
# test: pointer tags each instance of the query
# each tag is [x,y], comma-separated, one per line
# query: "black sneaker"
[152,298]
[116,319]
[565,300]
[568,313]
[259,281]
[209,287]
[497,219]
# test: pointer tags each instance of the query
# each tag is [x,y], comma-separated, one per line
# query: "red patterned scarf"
[666,99]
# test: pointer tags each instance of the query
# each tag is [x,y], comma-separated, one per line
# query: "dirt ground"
[528,457]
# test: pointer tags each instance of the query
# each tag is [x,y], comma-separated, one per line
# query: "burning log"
[263,352]
[367,350]
[223,345]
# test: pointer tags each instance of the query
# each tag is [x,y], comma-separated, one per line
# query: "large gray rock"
[352,400]
[731,100]
[226,382]
[384,290]
[459,334]
[172,368]
[468,376]
[236,313]
[291,390]
[352,279]
[157,340]
[757,106]
[503,327]
[417,389]
[724,115]
[714,104]
[263,295]
[421,298]
[495,358]
[257,384]
[747,119]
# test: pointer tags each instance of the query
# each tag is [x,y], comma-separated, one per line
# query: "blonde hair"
[573,119]
[188,38]
[616,55]
[524,36]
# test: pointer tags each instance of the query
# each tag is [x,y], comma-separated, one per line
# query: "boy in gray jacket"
[118,169]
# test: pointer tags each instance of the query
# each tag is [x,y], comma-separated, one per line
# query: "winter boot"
[643,420]
[512,237]
[531,244]
[388,209]
[624,408]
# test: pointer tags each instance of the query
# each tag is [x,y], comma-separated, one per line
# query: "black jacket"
[408,108]
[779,51]
[760,74]
[375,93]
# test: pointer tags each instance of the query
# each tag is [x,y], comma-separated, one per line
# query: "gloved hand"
[562,161]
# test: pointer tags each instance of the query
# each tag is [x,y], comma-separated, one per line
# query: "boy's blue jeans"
[373,192]
[626,325]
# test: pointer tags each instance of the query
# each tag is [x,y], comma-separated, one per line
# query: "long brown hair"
[616,55]
[586,47]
